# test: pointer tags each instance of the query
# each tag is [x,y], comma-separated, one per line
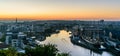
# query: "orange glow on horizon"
[59,16]
[60,10]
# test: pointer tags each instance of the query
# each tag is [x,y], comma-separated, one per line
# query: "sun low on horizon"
[60,9]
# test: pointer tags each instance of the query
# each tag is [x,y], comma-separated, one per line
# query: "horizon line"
[59,20]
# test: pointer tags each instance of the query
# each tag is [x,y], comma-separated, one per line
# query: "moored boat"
[112,46]
[79,41]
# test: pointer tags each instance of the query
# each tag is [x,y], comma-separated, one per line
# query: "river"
[64,44]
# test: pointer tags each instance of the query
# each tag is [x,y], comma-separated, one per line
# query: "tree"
[40,50]
[63,54]
[9,52]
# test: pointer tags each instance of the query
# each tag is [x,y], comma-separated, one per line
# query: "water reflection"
[63,43]
[106,54]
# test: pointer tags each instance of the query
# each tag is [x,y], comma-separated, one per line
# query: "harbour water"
[64,44]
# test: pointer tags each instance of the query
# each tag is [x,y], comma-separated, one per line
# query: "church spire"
[16,20]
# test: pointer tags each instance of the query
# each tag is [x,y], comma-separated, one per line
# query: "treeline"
[41,50]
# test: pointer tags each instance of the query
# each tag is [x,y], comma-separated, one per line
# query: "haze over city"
[60,9]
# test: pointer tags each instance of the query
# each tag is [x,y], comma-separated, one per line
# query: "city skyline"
[60,9]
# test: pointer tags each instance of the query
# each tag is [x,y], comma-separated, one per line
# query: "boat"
[117,47]
[88,37]
[77,40]
[96,43]
[112,46]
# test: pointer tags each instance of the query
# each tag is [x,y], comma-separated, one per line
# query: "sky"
[60,9]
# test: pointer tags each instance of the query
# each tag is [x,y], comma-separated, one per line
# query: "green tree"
[63,54]
[11,52]
[42,50]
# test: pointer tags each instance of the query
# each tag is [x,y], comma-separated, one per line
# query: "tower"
[16,20]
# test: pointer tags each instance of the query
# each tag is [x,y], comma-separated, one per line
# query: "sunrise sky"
[60,9]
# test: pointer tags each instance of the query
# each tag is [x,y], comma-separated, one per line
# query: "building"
[15,38]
